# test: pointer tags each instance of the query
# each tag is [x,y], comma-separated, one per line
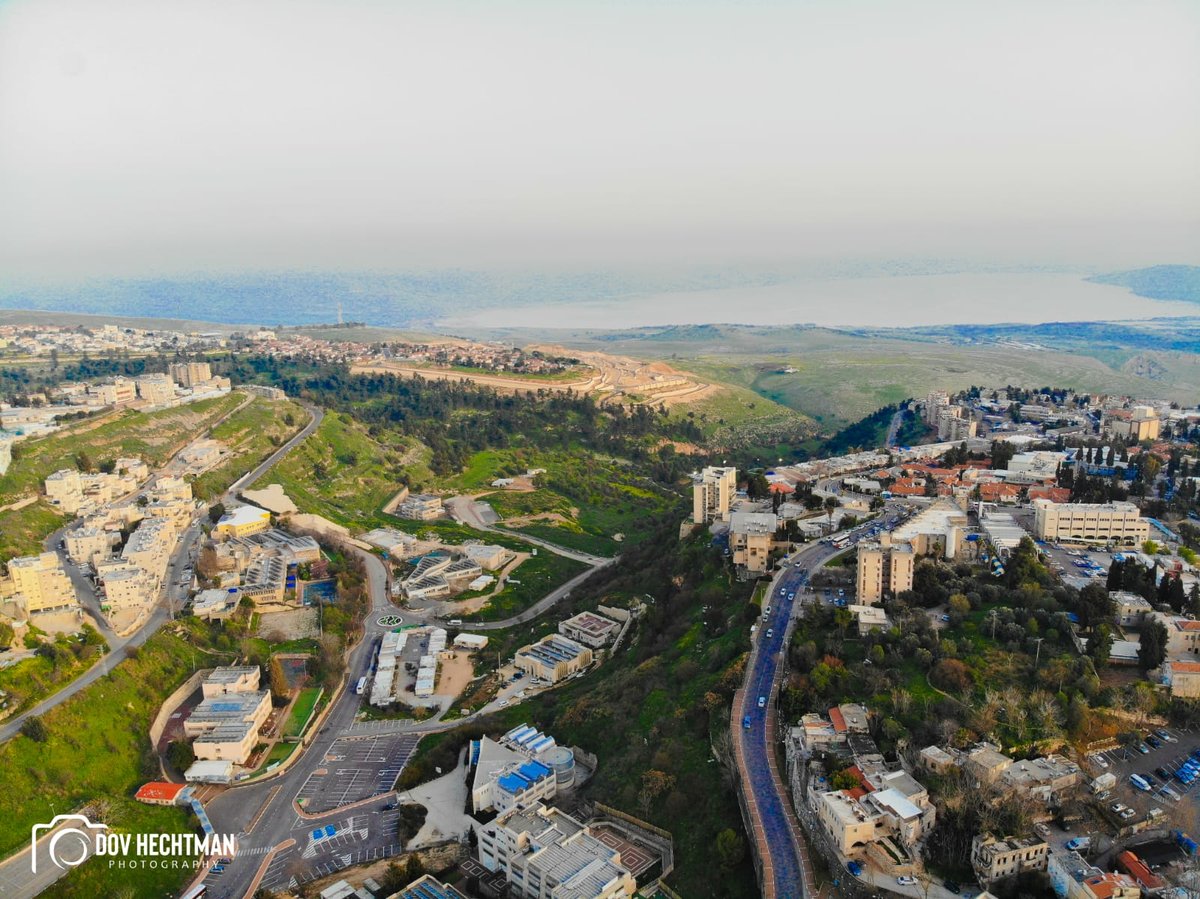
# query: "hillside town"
[1053,527]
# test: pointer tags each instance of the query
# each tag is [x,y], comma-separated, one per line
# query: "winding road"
[173,596]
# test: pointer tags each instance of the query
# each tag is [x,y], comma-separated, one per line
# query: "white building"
[712,494]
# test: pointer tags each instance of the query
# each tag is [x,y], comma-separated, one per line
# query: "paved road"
[894,428]
[174,595]
[782,849]
[462,509]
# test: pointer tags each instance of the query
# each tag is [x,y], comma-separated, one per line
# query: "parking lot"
[1169,756]
[355,769]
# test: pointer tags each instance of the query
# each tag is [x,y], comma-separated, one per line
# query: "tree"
[831,503]
[731,848]
[84,462]
[180,755]
[1152,648]
[280,691]
[215,511]
[1099,645]
[34,728]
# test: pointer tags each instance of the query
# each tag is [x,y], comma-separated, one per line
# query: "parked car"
[1127,814]
[1163,773]
[1100,760]
[906,881]
[1165,735]
[855,868]
[1154,742]
[1142,748]
[1041,830]
[1116,808]
[952,886]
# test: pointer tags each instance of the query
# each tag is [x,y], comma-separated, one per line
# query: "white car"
[1099,760]
[906,881]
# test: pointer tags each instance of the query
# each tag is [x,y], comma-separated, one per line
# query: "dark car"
[952,886]
[1155,742]
[1150,780]
[1163,773]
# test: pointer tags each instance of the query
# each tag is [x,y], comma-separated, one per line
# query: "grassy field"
[301,711]
[538,575]
[23,530]
[251,434]
[596,499]
[343,473]
[28,681]
[97,754]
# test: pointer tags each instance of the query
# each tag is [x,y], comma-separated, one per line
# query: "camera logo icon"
[70,844]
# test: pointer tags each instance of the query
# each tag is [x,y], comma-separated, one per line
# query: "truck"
[1103,782]
[1184,842]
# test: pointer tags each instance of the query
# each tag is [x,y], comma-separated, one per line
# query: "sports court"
[356,769]
[638,859]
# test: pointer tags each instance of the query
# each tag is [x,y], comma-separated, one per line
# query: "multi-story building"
[421,507]
[589,629]
[553,658]
[231,679]
[712,494]
[751,535]
[189,374]
[127,587]
[87,545]
[225,725]
[155,389]
[995,859]
[118,392]
[547,854]
[935,402]
[64,488]
[1183,677]
[884,569]
[1118,523]
[38,584]
[1138,423]
[955,423]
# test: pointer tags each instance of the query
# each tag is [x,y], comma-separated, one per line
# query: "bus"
[840,542]
[362,685]
[1139,782]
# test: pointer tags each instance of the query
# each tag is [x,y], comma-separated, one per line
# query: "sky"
[152,138]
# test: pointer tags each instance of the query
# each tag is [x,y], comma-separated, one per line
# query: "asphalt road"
[771,797]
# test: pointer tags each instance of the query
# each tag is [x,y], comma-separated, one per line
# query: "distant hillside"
[1159,282]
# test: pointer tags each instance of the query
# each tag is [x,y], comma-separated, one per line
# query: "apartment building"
[713,490]
[751,536]
[884,569]
[156,389]
[954,423]
[935,402]
[547,854]
[189,374]
[117,392]
[1118,523]
[127,587]
[38,584]
[994,859]
[88,545]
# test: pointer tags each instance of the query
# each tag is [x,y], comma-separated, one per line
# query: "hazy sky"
[164,137]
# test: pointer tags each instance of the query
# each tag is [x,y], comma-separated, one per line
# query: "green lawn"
[28,682]
[301,712]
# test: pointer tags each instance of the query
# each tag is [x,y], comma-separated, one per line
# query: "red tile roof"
[838,720]
[158,792]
